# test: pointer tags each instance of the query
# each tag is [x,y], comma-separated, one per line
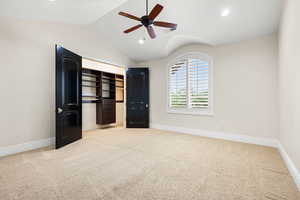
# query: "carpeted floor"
[147,164]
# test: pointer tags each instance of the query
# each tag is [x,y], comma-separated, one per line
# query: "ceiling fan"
[148,20]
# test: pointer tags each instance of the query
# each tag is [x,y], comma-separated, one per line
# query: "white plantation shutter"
[178,85]
[198,83]
[189,84]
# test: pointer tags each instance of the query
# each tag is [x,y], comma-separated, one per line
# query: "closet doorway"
[90,95]
[102,95]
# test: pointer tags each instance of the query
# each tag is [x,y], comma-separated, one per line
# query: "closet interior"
[102,95]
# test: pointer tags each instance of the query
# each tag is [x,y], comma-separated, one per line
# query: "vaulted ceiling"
[199,21]
[66,11]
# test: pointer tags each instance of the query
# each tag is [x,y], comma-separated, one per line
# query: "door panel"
[68,97]
[137,89]
[70,82]
[70,120]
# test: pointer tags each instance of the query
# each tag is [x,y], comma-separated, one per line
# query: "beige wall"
[27,74]
[289,81]
[89,116]
[245,89]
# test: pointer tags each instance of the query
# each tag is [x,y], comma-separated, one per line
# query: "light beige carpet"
[147,164]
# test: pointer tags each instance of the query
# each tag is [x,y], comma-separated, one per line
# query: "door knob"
[147,105]
[59,110]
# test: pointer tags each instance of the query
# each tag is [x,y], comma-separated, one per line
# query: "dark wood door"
[137,96]
[68,97]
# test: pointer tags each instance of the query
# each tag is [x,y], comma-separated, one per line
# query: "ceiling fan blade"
[165,25]
[133,28]
[151,32]
[130,16]
[155,11]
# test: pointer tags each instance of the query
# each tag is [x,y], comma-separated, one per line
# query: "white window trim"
[186,111]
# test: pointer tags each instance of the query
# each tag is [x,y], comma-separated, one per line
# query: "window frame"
[192,111]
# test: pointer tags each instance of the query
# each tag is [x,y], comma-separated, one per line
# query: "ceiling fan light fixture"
[142,41]
[225,12]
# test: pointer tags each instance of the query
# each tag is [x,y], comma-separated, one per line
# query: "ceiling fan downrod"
[147,7]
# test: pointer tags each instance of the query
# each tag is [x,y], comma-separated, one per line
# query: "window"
[190,84]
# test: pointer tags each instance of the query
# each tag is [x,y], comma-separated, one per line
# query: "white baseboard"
[219,135]
[239,138]
[13,149]
[290,165]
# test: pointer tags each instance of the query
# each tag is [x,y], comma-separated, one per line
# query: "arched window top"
[192,55]
[190,84]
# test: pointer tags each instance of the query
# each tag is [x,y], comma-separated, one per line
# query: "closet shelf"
[92,86]
[91,101]
[108,90]
[89,75]
[90,96]
[108,98]
[109,79]
[90,81]
[105,82]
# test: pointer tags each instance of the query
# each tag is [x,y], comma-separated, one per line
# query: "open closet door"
[137,98]
[68,97]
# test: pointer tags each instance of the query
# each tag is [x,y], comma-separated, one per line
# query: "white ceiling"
[65,11]
[199,21]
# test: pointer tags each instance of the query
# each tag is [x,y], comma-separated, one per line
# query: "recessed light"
[225,12]
[142,41]
[51,0]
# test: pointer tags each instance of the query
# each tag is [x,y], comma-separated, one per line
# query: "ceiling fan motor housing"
[146,21]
